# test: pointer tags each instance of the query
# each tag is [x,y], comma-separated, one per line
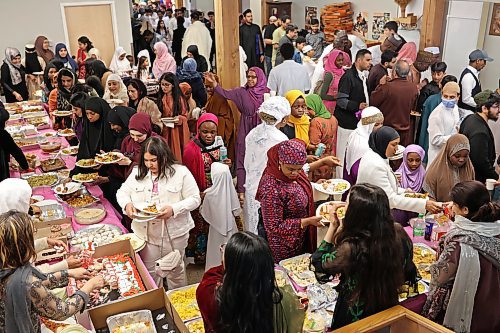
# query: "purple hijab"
[257,93]
[412,179]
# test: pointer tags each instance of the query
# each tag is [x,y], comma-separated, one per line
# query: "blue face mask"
[449,103]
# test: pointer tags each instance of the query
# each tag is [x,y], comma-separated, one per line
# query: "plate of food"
[47,179]
[86,163]
[67,188]
[149,208]
[49,134]
[109,158]
[85,177]
[137,243]
[52,164]
[333,186]
[61,113]
[424,257]
[83,200]
[68,151]
[298,270]
[90,215]
[66,132]
[324,211]
[416,195]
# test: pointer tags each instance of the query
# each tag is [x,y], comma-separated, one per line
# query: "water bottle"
[222,153]
[320,150]
[419,226]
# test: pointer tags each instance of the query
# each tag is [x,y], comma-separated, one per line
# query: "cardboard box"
[49,255]
[43,228]
[150,300]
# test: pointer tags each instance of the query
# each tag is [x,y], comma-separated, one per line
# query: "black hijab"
[64,94]
[379,140]
[120,115]
[201,62]
[32,64]
[97,67]
[53,64]
[98,135]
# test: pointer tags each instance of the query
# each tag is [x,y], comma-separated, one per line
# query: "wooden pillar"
[227,41]
[433,23]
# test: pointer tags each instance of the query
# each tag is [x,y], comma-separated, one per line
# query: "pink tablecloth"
[419,239]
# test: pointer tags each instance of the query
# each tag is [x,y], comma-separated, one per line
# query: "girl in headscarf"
[191,105]
[115,89]
[95,54]
[138,100]
[164,62]
[59,98]
[323,129]
[334,70]
[189,75]
[140,128]
[408,52]
[198,157]
[8,147]
[286,198]
[412,178]
[119,118]
[201,62]
[42,49]
[77,102]
[374,169]
[63,56]
[143,66]
[48,74]
[247,99]
[119,63]
[298,123]
[12,77]
[33,64]
[172,104]
[451,166]
[84,46]
[225,112]
[273,113]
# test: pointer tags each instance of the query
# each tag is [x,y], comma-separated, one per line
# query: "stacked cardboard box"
[338,16]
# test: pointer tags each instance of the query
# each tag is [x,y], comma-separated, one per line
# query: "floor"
[195,273]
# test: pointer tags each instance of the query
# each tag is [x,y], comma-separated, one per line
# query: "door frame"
[114,25]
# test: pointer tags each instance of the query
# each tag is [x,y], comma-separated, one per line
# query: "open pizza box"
[154,300]
[43,228]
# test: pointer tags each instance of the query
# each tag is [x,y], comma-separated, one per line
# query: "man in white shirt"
[469,82]
[289,75]
[444,120]
[167,17]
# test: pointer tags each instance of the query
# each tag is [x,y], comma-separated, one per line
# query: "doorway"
[96,20]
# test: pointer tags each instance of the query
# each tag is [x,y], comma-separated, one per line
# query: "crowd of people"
[216,161]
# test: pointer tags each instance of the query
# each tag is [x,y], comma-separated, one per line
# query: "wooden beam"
[433,23]
[227,41]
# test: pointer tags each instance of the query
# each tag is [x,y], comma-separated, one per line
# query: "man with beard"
[475,128]
[251,41]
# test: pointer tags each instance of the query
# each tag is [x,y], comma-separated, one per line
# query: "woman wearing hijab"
[119,118]
[8,147]
[298,123]
[188,93]
[201,62]
[115,89]
[140,129]
[33,64]
[59,98]
[357,145]
[63,56]
[451,166]
[48,77]
[12,77]
[198,157]
[138,100]
[143,65]
[164,62]
[408,52]
[178,38]
[43,50]
[99,69]
[412,177]
[323,129]
[189,75]
[464,284]
[273,113]
[286,198]
[374,169]
[25,291]
[334,70]
[95,54]
[119,63]
[247,99]
[225,112]
[77,102]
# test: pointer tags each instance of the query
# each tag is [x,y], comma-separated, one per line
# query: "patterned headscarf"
[292,152]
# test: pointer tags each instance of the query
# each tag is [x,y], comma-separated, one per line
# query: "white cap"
[307,48]
[432,49]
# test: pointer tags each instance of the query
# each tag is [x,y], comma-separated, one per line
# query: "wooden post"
[433,23]
[227,41]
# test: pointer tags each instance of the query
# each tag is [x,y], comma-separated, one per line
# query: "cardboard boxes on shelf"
[338,16]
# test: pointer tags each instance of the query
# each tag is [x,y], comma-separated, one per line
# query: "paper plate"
[143,207]
[332,186]
[118,157]
[62,113]
[69,151]
[66,132]
[68,188]
[81,163]
[325,215]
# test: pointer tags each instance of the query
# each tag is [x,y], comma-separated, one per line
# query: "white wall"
[21,22]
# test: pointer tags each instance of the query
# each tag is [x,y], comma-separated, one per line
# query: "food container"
[50,146]
[298,270]
[52,165]
[39,180]
[184,301]
[71,199]
[51,212]
[27,143]
[136,321]
[90,215]
[95,235]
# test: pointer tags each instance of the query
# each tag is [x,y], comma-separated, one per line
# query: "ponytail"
[489,212]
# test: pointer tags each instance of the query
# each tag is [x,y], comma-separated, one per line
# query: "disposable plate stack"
[337,16]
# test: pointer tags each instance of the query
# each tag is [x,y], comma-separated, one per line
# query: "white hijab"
[15,194]
[15,73]
[221,203]
[357,145]
[144,53]
[119,66]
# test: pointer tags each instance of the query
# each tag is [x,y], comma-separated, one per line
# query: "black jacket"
[8,147]
[350,95]
[482,146]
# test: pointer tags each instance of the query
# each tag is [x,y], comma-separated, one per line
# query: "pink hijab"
[257,93]
[329,65]
[164,62]
[408,52]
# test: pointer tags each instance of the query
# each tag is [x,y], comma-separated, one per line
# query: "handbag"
[169,262]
